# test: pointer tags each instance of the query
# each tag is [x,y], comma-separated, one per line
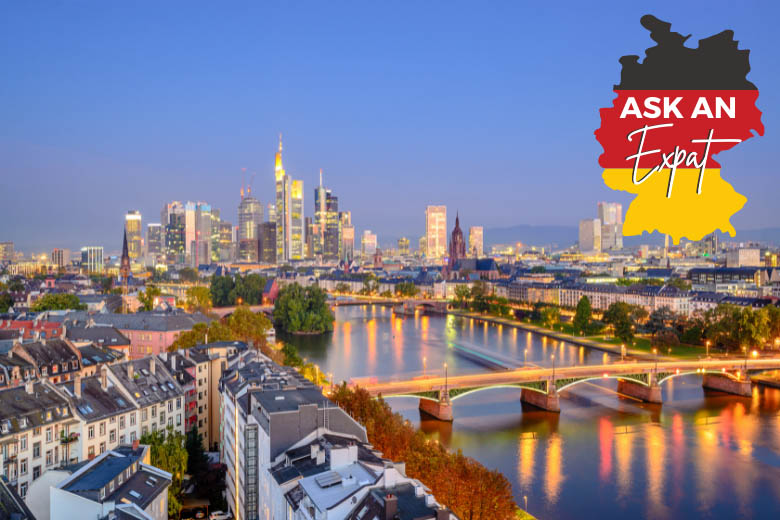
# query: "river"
[699,455]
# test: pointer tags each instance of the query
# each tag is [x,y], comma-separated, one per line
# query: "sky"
[486,107]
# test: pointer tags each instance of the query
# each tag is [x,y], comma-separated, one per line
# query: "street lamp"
[425,359]
[655,353]
[525,499]
[525,357]
[553,373]
[445,377]
[707,343]
[623,352]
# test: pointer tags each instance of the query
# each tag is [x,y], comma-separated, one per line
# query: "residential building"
[436,231]
[590,235]
[92,259]
[101,337]
[183,369]
[60,258]
[33,417]
[476,245]
[54,359]
[118,484]
[12,506]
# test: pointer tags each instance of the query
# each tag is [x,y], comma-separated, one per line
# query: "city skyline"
[373,130]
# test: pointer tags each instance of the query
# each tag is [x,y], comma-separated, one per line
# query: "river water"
[699,455]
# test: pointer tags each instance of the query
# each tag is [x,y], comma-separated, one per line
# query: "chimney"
[391,506]
[104,378]
[130,370]
[77,386]
[135,444]
[442,514]
[152,364]
[28,387]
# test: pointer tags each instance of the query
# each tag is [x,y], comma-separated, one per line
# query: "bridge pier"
[648,394]
[726,384]
[440,409]
[548,401]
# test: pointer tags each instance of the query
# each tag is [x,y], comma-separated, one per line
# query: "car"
[219,515]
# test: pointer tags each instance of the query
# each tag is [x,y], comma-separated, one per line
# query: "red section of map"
[614,131]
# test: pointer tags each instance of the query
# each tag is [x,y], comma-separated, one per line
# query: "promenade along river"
[699,455]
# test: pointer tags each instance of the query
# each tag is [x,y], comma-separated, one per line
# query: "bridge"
[405,306]
[225,311]
[540,387]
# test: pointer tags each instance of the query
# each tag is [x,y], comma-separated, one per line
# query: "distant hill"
[563,236]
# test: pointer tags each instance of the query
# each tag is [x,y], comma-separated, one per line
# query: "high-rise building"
[250,215]
[216,222]
[296,221]
[6,251]
[590,235]
[457,250]
[611,216]
[134,238]
[282,207]
[422,245]
[92,259]
[436,231]
[60,258]
[267,242]
[172,220]
[200,249]
[227,246]
[476,246]
[403,246]
[327,222]
[270,213]
[708,246]
[347,241]
[313,246]
[368,244]
[155,245]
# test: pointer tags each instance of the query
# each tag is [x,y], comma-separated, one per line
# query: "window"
[102,428]
[102,447]
[178,403]
[162,417]
[122,439]
[121,422]
[132,436]
[48,434]
[23,467]
[64,367]
[112,420]
[144,431]
[132,418]
[154,411]
[74,364]
[154,427]
[49,458]
[36,450]
[36,472]
[44,371]
[91,432]
[170,421]
[91,452]
[112,436]
[178,419]
[170,405]
[36,432]
[23,490]
[144,414]
[23,442]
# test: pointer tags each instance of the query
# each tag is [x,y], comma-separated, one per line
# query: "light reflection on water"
[698,455]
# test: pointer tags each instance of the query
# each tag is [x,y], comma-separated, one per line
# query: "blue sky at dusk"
[487,107]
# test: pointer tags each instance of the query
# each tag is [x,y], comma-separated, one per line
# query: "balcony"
[67,439]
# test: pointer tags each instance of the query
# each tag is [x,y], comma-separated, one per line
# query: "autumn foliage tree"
[469,489]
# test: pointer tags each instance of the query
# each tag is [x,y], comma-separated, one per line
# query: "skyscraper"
[270,213]
[173,224]
[200,251]
[611,216]
[133,230]
[403,246]
[476,246]
[227,247]
[296,221]
[6,251]
[590,235]
[154,243]
[347,242]
[283,213]
[312,236]
[267,242]
[327,222]
[250,215]
[436,231]
[368,244]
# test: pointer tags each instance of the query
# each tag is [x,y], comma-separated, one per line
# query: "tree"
[680,283]
[5,302]
[220,288]
[58,302]
[188,274]
[582,316]
[197,461]
[666,338]
[342,288]
[550,315]
[618,315]
[167,452]
[147,297]
[406,289]
[462,296]
[15,285]
[660,319]
[198,299]
[300,310]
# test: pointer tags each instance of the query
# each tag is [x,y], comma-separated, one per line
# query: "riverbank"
[560,336]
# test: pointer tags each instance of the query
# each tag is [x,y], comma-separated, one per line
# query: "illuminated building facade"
[436,231]
[476,245]
[250,215]
[134,238]
[347,241]
[92,259]
[403,246]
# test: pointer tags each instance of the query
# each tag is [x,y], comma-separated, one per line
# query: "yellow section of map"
[684,214]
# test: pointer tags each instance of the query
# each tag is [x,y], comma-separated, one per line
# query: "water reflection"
[700,454]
